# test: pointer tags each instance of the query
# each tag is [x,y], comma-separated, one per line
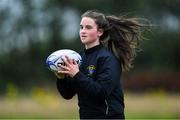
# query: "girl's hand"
[59,75]
[71,67]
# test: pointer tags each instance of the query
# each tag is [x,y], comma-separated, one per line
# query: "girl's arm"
[65,87]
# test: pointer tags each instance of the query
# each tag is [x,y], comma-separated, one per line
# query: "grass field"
[51,105]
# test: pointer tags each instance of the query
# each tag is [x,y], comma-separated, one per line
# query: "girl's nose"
[82,31]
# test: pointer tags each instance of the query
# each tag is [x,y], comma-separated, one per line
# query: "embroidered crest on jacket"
[91,70]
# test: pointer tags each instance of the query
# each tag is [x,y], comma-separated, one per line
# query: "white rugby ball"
[56,58]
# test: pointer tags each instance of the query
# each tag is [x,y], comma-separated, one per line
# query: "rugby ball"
[56,58]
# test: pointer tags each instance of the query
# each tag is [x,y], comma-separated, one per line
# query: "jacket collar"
[93,49]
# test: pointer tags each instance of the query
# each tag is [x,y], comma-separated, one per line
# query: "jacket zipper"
[107,107]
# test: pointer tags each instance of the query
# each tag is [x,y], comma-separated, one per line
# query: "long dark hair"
[121,35]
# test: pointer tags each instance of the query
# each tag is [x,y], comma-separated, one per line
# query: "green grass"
[42,105]
[152,106]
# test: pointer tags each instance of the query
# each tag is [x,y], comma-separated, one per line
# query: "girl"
[110,44]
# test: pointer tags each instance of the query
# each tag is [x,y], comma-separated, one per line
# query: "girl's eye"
[88,27]
[81,27]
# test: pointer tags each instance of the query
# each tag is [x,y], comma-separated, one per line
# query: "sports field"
[51,105]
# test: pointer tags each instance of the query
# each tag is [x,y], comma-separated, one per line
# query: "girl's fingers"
[74,62]
[65,60]
[63,72]
[60,75]
[69,60]
[64,67]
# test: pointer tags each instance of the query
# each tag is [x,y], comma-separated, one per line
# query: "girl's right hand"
[59,75]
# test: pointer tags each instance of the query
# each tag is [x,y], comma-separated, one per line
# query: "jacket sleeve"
[108,76]
[65,87]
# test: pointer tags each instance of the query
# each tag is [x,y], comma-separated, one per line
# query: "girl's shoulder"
[104,52]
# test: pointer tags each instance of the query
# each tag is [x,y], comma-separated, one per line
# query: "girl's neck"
[90,45]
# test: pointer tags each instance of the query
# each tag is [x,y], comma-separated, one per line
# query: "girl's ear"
[100,32]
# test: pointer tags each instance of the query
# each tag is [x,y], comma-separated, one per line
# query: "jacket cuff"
[77,79]
[77,75]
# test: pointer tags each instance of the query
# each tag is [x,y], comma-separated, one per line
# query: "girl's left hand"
[70,68]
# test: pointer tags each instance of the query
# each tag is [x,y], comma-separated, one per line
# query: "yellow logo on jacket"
[91,70]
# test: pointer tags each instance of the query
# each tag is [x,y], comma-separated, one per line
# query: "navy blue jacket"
[97,85]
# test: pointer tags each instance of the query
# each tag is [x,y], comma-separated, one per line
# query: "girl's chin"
[84,41]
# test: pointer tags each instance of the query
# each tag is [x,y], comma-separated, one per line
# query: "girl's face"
[89,32]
